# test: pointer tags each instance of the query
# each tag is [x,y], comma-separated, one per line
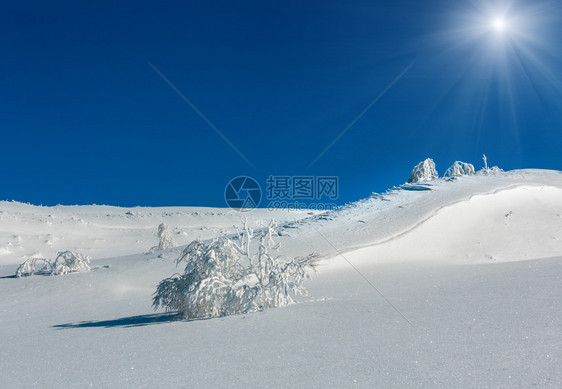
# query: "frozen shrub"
[424,171]
[165,238]
[26,269]
[66,262]
[460,169]
[70,262]
[488,170]
[34,266]
[224,277]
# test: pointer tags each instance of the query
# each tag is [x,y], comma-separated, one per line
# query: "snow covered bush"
[488,170]
[70,262]
[460,169]
[165,238]
[424,171]
[494,170]
[65,262]
[224,277]
[34,266]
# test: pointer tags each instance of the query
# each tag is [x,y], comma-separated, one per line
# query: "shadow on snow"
[125,322]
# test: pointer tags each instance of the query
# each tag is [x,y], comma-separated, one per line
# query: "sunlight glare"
[499,25]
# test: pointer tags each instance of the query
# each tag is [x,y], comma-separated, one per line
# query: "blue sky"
[85,119]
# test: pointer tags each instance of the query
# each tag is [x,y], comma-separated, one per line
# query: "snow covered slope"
[449,284]
[510,225]
[472,201]
[104,231]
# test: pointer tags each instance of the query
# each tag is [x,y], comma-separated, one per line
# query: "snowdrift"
[516,224]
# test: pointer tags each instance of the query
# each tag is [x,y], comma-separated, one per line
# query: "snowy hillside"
[446,283]
[521,207]
[104,231]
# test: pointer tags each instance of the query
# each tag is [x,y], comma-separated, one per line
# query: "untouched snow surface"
[453,284]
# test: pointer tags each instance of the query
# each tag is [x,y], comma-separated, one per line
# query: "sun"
[499,25]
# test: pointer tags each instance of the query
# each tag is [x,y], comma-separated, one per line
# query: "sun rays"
[497,57]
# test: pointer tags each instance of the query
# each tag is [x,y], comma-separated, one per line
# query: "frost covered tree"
[424,171]
[460,169]
[165,237]
[227,277]
[488,170]
[65,262]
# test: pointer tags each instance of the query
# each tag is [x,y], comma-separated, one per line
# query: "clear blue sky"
[85,119]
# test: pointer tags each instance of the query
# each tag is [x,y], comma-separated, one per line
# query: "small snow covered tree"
[65,262]
[424,171]
[460,169]
[224,277]
[488,170]
[165,237]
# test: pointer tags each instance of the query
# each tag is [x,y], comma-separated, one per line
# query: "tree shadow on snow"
[125,322]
